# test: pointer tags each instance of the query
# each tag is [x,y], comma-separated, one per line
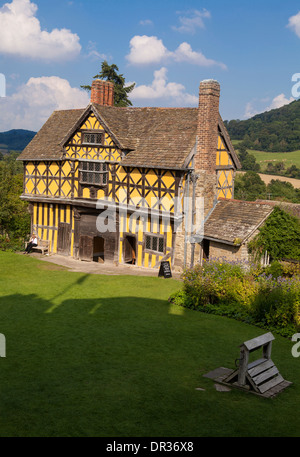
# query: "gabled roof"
[46,143]
[149,137]
[234,221]
[157,137]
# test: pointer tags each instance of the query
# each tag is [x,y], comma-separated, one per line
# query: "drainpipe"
[194,178]
[186,215]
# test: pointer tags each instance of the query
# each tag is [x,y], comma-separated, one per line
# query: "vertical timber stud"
[207,142]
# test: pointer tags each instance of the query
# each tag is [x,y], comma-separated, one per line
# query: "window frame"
[102,172]
[157,237]
[92,132]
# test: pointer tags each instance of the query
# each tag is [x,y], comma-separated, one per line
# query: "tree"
[121,91]
[282,190]
[279,236]
[247,160]
[14,216]
[249,187]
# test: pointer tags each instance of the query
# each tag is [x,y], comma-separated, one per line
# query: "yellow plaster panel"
[168,180]
[54,169]
[29,186]
[53,187]
[41,168]
[41,187]
[66,168]
[100,194]
[86,193]
[151,177]
[30,168]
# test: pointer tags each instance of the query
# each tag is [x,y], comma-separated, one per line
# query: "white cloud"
[174,93]
[145,50]
[31,105]
[191,21]
[277,102]
[184,53]
[294,23]
[21,34]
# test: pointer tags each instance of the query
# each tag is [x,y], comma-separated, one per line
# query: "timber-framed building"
[88,172]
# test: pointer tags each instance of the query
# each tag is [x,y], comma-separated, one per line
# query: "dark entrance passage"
[130,250]
[205,247]
[98,251]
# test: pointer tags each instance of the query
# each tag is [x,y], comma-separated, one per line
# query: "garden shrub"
[268,297]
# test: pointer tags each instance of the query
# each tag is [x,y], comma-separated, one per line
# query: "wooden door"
[86,247]
[64,238]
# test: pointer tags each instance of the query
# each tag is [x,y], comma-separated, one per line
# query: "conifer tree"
[121,91]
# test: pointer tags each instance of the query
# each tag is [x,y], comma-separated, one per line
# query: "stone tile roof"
[160,137]
[234,221]
[46,143]
[292,208]
[154,137]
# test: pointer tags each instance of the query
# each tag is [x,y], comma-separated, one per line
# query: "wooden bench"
[43,246]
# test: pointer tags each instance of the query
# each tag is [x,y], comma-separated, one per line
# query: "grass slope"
[92,355]
[263,158]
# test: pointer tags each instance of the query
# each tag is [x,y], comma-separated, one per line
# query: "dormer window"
[92,138]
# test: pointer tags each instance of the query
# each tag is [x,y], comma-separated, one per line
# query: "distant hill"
[15,140]
[277,130]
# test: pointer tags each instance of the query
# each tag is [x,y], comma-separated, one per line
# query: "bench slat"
[269,384]
[259,379]
[259,368]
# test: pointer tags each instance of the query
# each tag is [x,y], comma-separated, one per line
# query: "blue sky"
[49,48]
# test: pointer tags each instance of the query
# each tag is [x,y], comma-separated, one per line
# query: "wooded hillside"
[277,130]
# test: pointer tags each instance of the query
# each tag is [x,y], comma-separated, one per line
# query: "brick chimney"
[102,92]
[208,117]
[207,142]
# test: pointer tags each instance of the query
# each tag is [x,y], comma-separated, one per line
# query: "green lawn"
[288,158]
[91,355]
[263,158]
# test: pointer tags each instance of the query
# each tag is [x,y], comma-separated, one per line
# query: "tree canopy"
[14,216]
[279,236]
[249,186]
[121,91]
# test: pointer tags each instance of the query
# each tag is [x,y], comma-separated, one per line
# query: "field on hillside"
[263,158]
[109,356]
[288,158]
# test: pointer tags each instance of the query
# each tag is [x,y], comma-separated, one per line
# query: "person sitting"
[32,243]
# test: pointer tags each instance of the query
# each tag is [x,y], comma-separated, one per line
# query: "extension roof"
[234,221]
[149,137]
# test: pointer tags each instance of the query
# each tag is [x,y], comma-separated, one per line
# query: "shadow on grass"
[122,366]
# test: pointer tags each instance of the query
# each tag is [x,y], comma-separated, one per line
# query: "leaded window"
[93,173]
[92,138]
[155,243]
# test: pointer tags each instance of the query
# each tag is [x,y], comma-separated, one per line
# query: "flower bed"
[268,297]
